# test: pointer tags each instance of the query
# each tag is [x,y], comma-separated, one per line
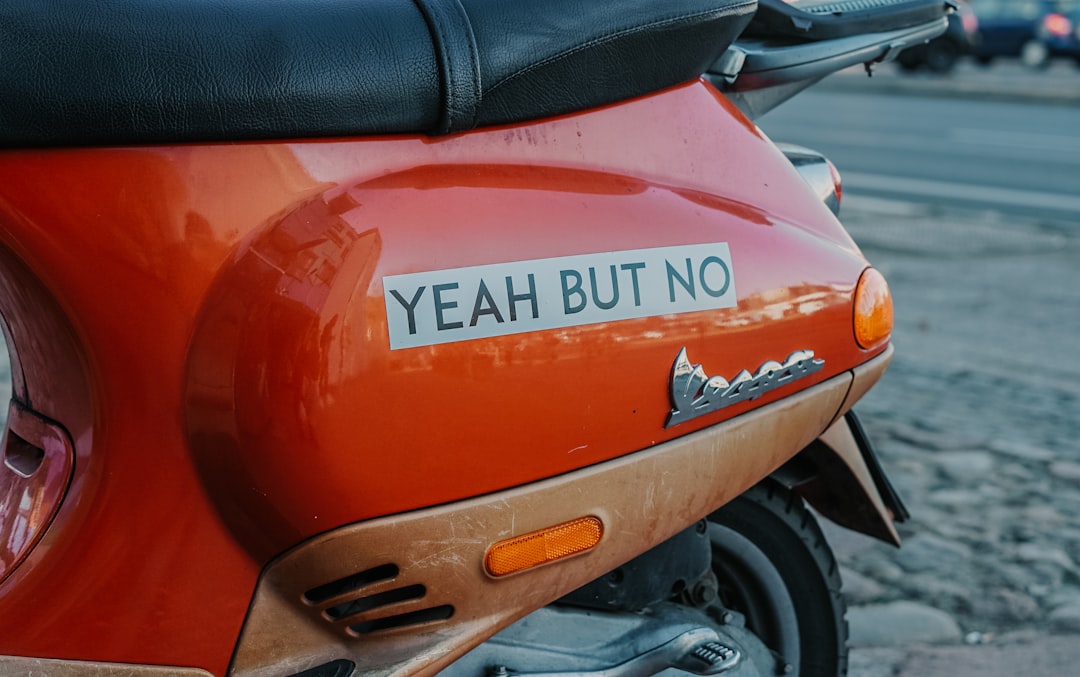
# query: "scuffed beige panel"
[642,498]
[15,666]
[866,375]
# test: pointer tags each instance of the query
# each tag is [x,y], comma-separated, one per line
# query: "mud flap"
[839,476]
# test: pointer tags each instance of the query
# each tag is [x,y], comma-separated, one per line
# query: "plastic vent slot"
[354,602]
[423,616]
[359,606]
[352,583]
[339,668]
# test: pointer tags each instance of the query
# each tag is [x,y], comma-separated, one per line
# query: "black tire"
[908,63]
[775,567]
[941,56]
[1035,55]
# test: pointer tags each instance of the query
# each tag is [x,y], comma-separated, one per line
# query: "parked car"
[1060,34]
[1024,29]
[942,53]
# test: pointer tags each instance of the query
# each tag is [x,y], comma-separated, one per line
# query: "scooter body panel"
[320,412]
[235,386]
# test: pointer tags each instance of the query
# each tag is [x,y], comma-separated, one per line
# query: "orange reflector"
[546,545]
[873,310]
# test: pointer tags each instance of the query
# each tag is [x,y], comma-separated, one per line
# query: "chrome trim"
[815,170]
[694,394]
[698,651]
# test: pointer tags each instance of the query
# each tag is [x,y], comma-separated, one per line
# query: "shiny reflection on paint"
[295,395]
[274,334]
[510,177]
[35,467]
[748,212]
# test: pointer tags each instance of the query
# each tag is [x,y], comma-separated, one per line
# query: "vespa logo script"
[694,394]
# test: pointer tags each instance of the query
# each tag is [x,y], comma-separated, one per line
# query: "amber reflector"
[546,545]
[873,310]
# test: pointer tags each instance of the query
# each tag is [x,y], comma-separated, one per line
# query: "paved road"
[1013,157]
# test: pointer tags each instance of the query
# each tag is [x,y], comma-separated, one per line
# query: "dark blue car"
[1031,30]
[940,54]
[1061,34]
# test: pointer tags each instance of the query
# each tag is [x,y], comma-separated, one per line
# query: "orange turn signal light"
[543,546]
[873,310]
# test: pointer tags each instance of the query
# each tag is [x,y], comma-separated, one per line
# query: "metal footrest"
[697,651]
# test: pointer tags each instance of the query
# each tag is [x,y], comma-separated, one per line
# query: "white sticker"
[461,304]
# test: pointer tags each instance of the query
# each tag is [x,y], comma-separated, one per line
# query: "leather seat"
[167,71]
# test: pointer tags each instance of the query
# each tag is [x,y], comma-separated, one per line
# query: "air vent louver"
[358,606]
[339,668]
[352,583]
[357,603]
[437,613]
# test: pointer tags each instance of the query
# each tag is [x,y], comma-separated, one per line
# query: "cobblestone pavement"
[977,422]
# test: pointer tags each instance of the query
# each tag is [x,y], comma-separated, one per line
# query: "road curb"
[1060,87]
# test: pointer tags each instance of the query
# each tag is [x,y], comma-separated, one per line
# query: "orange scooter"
[377,337]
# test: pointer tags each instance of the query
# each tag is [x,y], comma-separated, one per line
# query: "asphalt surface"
[896,136]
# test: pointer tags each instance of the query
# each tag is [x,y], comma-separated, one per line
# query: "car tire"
[907,63]
[941,56]
[1034,54]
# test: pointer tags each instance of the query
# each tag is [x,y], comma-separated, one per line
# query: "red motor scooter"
[358,337]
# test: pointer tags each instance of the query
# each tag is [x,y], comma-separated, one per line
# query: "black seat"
[164,71]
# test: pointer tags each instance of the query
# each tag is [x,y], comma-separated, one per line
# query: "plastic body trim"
[676,483]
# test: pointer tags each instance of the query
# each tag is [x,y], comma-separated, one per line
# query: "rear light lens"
[873,317]
[36,463]
[1057,25]
[971,23]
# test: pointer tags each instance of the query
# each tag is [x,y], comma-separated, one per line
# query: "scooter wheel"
[776,569]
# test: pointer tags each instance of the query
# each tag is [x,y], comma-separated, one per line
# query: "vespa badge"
[694,394]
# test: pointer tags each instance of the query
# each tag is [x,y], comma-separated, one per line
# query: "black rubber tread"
[779,524]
